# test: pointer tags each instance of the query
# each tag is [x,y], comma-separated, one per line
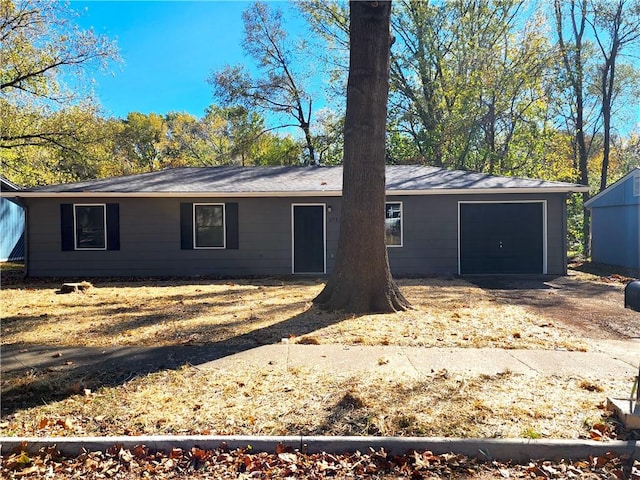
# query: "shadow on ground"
[33,374]
[593,308]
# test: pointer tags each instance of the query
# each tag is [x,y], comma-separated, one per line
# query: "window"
[208,225]
[90,227]
[393,224]
[636,185]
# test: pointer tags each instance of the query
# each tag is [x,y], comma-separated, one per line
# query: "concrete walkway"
[613,360]
[418,361]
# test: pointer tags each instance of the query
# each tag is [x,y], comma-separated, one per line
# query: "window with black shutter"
[209,226]
[91,226]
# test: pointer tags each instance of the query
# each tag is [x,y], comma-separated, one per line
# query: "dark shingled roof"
[7,186]
[269,181]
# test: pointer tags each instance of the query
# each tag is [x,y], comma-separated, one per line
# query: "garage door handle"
[500,244]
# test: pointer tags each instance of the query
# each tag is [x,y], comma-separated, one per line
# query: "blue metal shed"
[615,223]
[11,224]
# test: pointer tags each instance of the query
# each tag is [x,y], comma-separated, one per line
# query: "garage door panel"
[501,238]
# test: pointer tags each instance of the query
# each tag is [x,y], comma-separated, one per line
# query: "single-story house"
[11,223]
[232,221]
[615,223]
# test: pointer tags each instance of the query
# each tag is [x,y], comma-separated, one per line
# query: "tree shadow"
[518,282]
[178,307]
[34,374]
[604,270]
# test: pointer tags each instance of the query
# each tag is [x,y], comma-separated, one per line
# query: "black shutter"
[66,227]
[186,226]
[232,225]
[113,226]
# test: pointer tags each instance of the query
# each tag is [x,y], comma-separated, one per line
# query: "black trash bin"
[632,295]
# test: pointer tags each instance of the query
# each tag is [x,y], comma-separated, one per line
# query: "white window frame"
[545,235]
[224,226]
[75,225]
[401,222]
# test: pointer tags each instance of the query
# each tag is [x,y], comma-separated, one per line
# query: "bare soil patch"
[182,321]
[589,304]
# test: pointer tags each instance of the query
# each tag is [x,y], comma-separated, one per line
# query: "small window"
[393,224]
[90,227]
[636,185]
[208,225]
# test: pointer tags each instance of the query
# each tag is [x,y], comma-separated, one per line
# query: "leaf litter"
[242,463]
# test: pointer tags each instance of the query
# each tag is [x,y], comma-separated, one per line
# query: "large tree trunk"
[361,280]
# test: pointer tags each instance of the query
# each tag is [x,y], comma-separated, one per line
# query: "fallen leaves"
[65,423]
[222,462]
[303,401]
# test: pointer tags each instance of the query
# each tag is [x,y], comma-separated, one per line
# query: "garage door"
[501,238]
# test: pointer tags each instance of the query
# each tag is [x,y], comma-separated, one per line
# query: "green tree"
[84,152]
[186,143]
[280,86]
[142,142]
[616,27]
[226,136]
[39,45]
[468,82]
[329,137]
[277,150]
[361,280]
[244,130]
[329,43]
[571,23]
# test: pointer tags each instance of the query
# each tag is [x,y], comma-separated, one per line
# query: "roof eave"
[498,190]
[309,193]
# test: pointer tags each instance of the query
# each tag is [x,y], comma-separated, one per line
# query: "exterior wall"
[150,237]
[12,228]
[150,240]
[431,232]
[618,194]
[615,235]
[615,225]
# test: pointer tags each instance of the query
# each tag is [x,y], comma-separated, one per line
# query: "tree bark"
[361,280]
[574,67]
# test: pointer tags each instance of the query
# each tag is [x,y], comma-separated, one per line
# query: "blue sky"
[169,49]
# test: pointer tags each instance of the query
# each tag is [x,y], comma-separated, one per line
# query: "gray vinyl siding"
[150,240]
[431,232]
[150,237]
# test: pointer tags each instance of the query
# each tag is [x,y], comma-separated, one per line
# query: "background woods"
[545,89]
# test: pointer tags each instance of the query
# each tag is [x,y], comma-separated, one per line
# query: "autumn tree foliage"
[39,44]
[280,86]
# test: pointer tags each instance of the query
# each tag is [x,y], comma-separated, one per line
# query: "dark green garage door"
[501,238]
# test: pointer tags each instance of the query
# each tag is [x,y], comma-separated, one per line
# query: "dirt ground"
[590,305]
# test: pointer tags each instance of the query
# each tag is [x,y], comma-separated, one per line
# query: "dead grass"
[272,401]
[450,313]
[304,401]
